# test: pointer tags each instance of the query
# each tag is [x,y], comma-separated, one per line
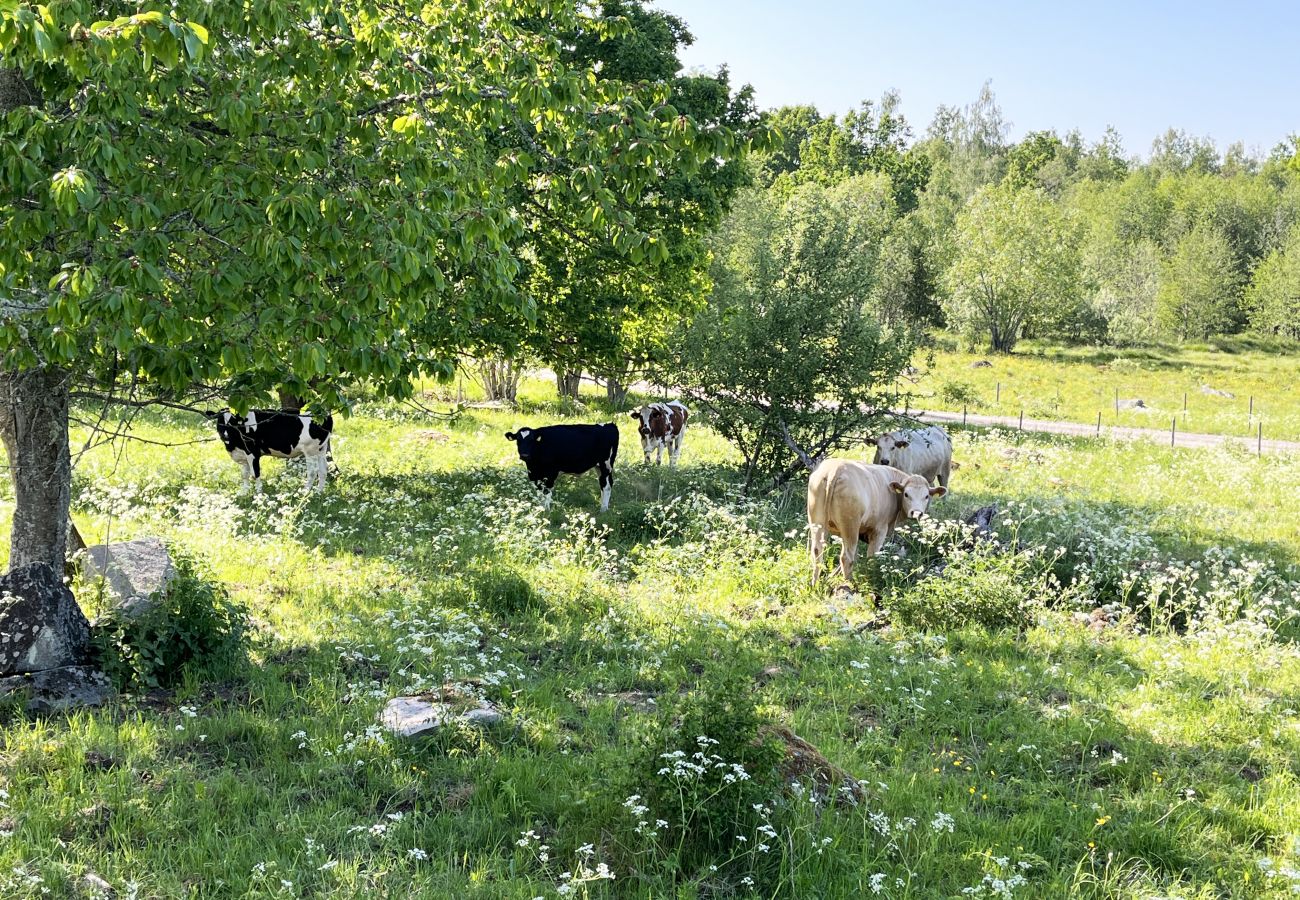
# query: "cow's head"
[914,495]
[230,429]
[526,441]
[885,446]
[653,424]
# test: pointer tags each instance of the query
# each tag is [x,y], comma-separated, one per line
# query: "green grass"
[1136,761]
[1073,384]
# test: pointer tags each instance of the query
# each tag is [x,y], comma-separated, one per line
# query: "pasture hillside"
[1101,705]
[1073,384]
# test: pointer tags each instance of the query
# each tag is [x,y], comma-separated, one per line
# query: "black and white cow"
[662,425]
[273,432]
[574,449]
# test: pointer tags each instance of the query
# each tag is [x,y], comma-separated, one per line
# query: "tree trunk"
[567,382]
[500,379]
[616,393]
[34,428]
[290,402]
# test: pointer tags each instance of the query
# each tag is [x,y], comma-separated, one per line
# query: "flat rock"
[41,625]
[1215,392]
[1133,404]
[133,571]
[418,717]
[981,364]
[56,690]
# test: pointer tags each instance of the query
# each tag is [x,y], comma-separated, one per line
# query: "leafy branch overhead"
[300,195]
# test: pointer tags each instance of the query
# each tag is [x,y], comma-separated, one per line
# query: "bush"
[194,627]
[958,393]
[985,586]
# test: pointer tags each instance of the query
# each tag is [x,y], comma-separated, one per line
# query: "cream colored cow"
[856,501]
[921,451]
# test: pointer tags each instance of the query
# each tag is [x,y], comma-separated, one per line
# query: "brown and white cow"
[856,501]
[662,425]
[919,451]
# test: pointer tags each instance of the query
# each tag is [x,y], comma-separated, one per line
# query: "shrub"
[958,393]
[984,586]
[194,627]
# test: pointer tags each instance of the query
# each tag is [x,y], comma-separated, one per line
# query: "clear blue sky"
[1228,71]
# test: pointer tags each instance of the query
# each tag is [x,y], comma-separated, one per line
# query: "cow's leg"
[876,540]
[816,549]
[546,484]
[257,474]
[245,476]
[606,472]
[659,453]
[323,467]
[848,555]
[674,450]
[945,472]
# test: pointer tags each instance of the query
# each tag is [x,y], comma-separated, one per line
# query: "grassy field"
[1073,384]
[1005,747]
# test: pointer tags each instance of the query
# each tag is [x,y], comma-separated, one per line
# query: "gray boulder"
[133,571]
[41,625]
[1133,404]
[55,690]
[1215,392]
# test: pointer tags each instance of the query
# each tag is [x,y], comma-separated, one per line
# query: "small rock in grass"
[417,717]
[1215,392]
[91,885]
[1136,403]
[981,364]
[56,690]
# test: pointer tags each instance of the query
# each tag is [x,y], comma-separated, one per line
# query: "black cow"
[273,432]
[568,448]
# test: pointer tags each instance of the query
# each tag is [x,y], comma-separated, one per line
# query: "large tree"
[1016,266]
[1273,298]
[592,307]
[787,358]
[1200,286]
[283,194]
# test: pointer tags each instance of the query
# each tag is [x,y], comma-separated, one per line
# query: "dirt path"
[1121,433]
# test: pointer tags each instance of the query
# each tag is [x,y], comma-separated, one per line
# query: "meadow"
[1073,384]
[1103,704]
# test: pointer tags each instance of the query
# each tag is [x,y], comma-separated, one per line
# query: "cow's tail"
[613,453]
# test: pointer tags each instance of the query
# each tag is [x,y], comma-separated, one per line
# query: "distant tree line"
[1052,236]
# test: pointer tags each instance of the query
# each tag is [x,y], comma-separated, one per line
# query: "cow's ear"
[896,487]
[938,491]
[635,414]
[900,444]
[871,442]
[210,414]
[511,436]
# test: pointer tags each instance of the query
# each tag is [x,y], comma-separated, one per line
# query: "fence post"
[1250,413]
[1259,440]
[1173,426]
[1184,402]
[997,396]
[1117,401]
[1022,420]
[963,415]
[1098,423]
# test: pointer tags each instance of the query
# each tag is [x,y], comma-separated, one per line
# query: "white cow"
[918,451]
[855,500]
